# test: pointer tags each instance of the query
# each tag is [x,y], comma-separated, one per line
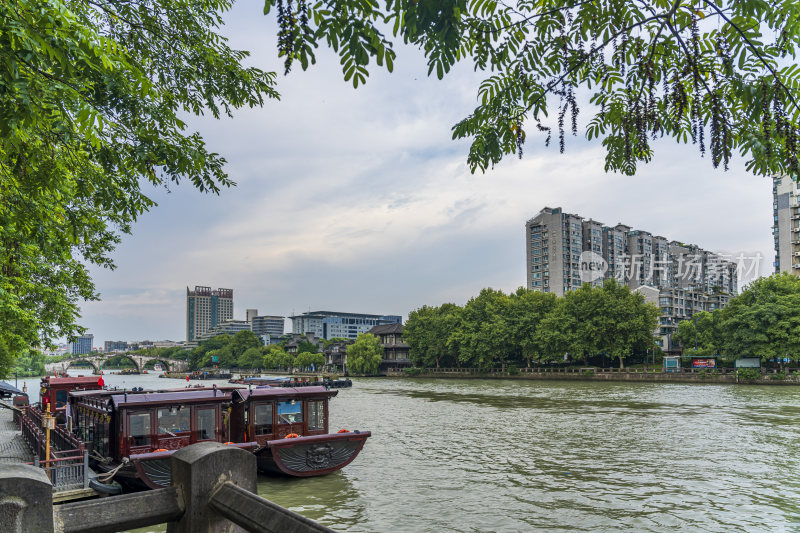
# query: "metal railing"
[67,473]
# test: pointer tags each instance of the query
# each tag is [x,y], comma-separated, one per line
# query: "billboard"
[704,363]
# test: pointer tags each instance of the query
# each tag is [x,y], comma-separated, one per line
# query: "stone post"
[200,469]
[26,500]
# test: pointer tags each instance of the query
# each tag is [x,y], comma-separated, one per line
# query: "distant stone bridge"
[98,361]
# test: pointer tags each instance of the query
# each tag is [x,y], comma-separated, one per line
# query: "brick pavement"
[12,448]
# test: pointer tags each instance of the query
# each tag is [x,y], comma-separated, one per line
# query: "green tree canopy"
[719,73]
[93,95]
[427,332]
[764,320]
[482,335]
[627,322]
[306,346]
[526,312]
[251,358]
[306,359]
[243,341]
[364,356]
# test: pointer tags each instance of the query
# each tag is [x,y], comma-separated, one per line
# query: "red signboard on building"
[704,363]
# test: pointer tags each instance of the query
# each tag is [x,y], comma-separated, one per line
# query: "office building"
[267,325]
[786,225]
[333,324]
[115,346]
[82,345]
[206,309]
[226,327]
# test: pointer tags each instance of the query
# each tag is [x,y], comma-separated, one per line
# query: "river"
[506,455]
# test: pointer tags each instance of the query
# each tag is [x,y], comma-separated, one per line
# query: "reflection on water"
[471,455]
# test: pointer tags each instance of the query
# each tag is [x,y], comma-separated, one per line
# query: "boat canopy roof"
[8,389]
[283,392]
[170,398]
[83,380]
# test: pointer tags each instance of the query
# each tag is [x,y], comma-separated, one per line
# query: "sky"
[357,200]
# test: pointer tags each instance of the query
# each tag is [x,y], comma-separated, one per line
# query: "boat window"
[206,424]
[140,429]
[173,420]
[61,398]
[262,418]
[290,412]
[316,415]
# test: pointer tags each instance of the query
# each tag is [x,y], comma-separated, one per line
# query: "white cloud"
[359,201]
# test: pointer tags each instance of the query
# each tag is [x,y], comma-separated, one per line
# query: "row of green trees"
[29,365]
[763,321]
[495,329]
[244,350]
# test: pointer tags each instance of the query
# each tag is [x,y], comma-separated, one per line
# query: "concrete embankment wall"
[600,375]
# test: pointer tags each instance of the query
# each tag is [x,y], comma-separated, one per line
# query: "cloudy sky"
[358,201]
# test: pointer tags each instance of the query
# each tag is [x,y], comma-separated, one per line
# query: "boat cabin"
[264,414]
[55,391]
[124,424]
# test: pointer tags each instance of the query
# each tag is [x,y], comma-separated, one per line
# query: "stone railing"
[213,490]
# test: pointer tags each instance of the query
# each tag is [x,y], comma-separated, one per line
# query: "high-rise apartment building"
[786,224]
[554,246]
[205,309]
[564,251]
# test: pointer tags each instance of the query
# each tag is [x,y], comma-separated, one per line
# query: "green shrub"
[513,371]
[778,376]
[413,371]
[704,374]
[748,375]
[587,372]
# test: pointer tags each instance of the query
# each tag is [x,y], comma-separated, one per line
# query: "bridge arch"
[68,363]
[166,364]
[136,363]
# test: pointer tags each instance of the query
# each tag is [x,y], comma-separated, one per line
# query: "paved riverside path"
[12,448]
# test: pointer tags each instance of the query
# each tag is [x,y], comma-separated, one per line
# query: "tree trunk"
[621,364]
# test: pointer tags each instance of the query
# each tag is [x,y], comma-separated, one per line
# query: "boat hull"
[154,470]
[315,455]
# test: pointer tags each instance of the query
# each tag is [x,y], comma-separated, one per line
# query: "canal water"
[505,455]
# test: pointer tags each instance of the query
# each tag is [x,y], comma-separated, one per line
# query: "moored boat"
[132,435]
[290,427]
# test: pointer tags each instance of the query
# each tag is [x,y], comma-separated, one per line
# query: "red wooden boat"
[133,435]
[55,392]
[290,426]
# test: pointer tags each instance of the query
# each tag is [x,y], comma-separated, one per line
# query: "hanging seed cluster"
[291,22]
[659,77]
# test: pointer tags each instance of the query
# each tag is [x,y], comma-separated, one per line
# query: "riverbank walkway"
[12,446]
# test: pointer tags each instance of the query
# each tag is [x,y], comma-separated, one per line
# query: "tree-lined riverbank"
[609,374]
